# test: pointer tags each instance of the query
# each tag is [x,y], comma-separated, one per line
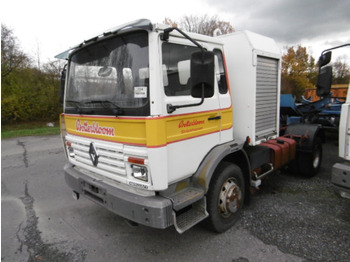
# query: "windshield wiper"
[78,107]
[116,110]
[76,104]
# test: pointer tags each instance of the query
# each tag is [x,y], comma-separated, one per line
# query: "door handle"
[214,118]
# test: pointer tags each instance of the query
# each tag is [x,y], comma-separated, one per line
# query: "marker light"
[135,160]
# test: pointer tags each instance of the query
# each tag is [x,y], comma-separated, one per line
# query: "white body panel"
[344,129]
[184,157]
[243,51]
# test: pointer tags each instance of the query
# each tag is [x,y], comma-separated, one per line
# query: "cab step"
[189,208]
[186,197]
[190,216]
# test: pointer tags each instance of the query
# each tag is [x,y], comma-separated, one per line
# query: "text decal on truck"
[191,126]
[95,128]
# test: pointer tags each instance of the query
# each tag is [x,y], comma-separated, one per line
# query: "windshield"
[110,77]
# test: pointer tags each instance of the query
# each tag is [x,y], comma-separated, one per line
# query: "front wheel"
[225,196]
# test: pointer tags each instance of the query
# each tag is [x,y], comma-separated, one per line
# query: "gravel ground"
[302,216]
[289,219]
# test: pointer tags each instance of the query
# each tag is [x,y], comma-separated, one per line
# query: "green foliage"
[341,71]
[27,93]
[298,71]
[11,55]
[11,131]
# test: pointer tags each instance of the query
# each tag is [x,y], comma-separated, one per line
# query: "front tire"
[225,197]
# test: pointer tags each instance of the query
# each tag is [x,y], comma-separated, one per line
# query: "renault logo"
[93,154]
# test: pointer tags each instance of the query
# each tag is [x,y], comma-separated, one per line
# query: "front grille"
[110,160]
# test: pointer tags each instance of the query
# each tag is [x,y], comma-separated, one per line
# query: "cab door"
[191,132]
[225,100]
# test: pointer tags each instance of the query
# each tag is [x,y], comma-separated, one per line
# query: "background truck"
[325,111]
[166,128]
[340,171]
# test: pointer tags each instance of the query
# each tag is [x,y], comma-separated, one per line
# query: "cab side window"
[220,72]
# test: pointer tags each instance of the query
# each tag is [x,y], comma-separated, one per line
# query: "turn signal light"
[135,160]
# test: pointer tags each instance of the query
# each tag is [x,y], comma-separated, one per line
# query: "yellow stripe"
[129,131]
[150,132]
[227,119]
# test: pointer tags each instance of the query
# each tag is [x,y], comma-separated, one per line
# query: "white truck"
[341,171]
[166,128]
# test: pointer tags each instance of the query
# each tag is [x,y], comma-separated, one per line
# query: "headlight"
[139,172]
[64,134]
[70,149]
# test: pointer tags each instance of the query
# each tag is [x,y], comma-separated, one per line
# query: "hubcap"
[230,198]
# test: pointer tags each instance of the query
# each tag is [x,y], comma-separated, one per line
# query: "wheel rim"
[230,198]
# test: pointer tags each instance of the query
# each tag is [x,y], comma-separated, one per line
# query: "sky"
[46,28]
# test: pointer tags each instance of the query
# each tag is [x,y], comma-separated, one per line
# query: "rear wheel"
[309,163]
[225,197]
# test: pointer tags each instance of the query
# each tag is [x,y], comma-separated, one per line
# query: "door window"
[176,68]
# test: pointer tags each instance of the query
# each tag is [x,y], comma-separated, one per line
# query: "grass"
[29,129]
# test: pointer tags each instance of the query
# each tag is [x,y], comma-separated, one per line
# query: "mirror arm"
[165,36]
[329,49]
[171,108]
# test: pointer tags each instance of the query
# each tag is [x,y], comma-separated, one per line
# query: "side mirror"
[324,59]
[202,74]
[63,82]
[324,81]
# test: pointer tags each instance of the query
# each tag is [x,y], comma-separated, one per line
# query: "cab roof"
[134,25]
[143,24]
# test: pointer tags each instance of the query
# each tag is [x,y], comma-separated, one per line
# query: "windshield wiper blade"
[78,107]
[77,103]
[116,110]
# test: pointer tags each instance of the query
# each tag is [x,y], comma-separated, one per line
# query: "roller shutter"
[266,97]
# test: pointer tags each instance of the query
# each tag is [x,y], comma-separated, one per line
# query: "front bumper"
[341,179]
[153,211]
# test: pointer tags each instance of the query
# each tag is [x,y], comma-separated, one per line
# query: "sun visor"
[64,55]
[143,24]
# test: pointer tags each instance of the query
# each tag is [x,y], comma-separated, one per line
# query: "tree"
[298,69]
[204,25]
[341,71]
[12,57]
[27,93]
